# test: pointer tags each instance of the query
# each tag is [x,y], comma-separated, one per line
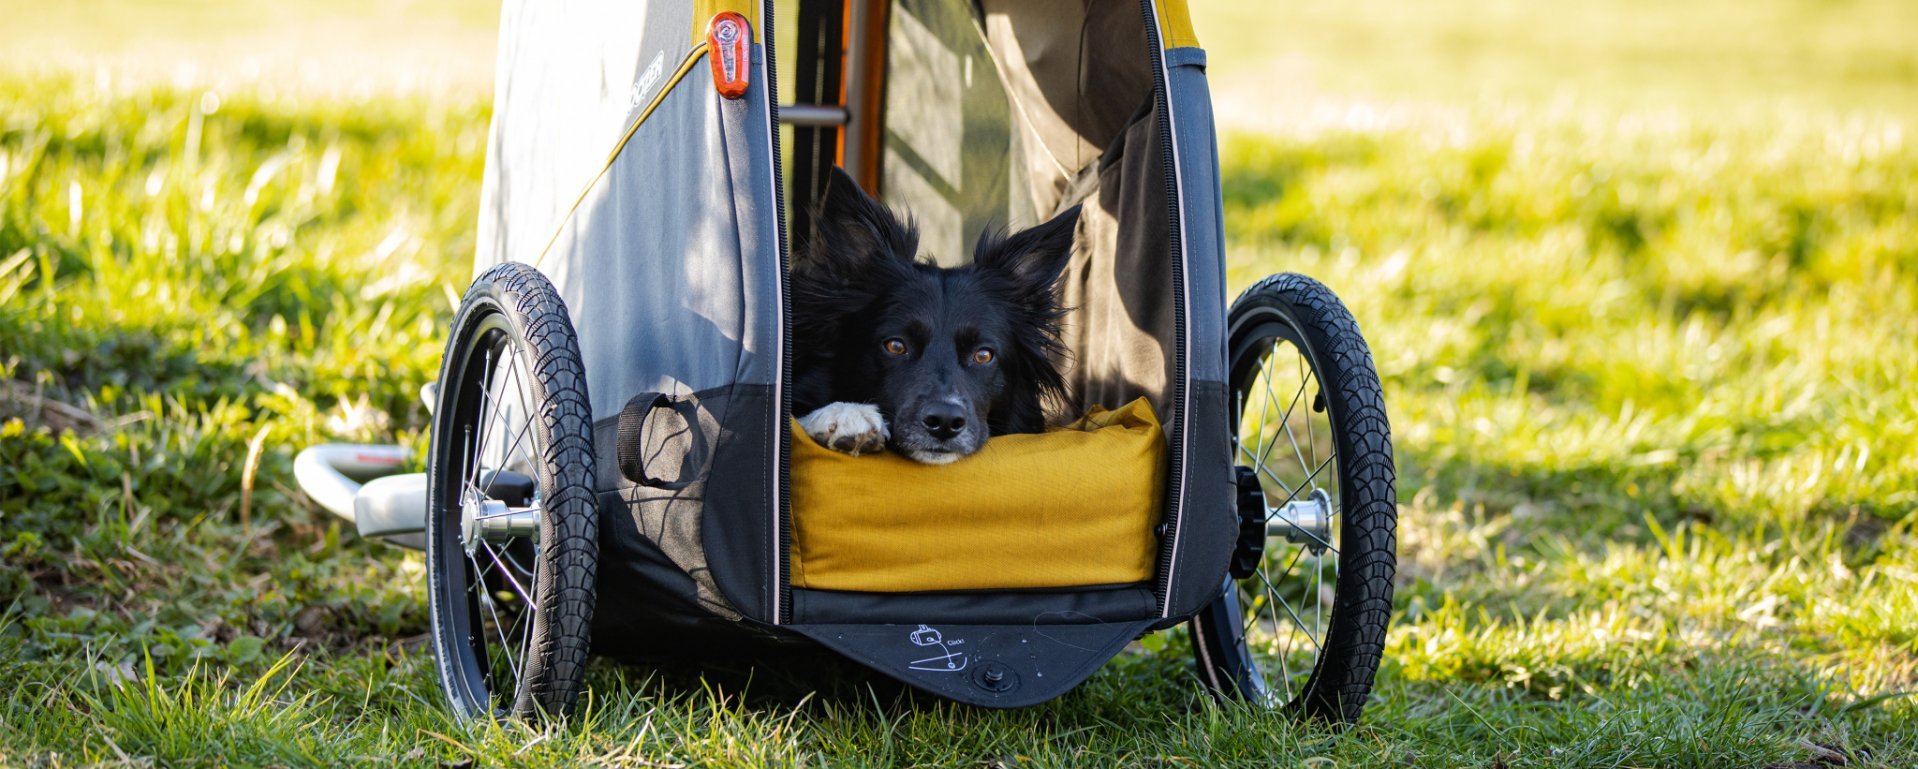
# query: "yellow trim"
[705,10]
[1175,24]
[692,57]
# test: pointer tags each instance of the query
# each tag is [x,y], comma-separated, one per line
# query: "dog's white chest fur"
[854,428]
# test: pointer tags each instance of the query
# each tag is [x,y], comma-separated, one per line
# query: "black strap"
[643,410]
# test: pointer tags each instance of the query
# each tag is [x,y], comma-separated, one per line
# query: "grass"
[1720,60]
[1649,371]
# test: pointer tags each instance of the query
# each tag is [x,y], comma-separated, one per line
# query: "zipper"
[1175,475]
[782,591]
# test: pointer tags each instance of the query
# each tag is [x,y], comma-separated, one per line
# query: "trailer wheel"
[512,531]
[1300,622]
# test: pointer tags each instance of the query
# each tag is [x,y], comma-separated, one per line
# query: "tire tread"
[1362,608]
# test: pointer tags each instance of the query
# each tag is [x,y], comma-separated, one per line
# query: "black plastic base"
[993,666]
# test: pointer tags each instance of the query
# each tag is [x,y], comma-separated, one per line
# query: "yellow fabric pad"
[1073,506]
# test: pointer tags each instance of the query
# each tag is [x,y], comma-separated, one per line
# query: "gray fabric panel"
[571,78]
[1202,209]
[646,605]
[670,520]
[740,529]
[650,263]
[671,268]
[750,146]
[737,528]
[1207,529]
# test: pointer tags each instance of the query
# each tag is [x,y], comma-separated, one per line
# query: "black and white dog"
[928,361]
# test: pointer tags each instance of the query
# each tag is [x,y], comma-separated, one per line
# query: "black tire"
[1284,321]
[512,368]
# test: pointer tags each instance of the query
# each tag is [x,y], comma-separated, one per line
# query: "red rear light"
[729,46]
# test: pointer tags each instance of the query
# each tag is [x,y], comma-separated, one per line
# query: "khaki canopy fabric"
[999,115]
[1076,74]
[1104,104]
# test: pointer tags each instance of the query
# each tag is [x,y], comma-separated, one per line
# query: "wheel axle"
[491,520]
[1305,522]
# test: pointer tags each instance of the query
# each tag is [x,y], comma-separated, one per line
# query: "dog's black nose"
[944,420]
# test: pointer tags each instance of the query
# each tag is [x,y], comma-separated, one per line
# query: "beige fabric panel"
[1075,72]
[1004,112]
[1078,74]
[1119,282]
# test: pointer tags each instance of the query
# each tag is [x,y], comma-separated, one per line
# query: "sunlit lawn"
[1648,361]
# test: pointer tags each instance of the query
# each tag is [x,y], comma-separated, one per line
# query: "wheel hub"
[1305,522]
[492,520]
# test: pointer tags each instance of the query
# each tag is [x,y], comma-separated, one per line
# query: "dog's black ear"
[1033,258]
[850,228]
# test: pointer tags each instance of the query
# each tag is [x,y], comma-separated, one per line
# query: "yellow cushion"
[1070,507]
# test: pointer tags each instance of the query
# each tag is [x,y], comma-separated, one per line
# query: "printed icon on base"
[948,661]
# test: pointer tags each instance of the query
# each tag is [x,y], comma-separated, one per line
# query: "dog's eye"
[983,356]
[894,346]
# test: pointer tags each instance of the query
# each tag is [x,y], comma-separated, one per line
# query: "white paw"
[854,428]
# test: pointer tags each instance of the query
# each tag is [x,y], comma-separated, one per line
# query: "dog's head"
[950,355]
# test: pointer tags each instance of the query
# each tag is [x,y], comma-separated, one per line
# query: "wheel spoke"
[1265,404]
[497,416]
[1318,589]
[486,400]
[1308,479]
[1252,615]
[1285,421]
[1296,620]
[526,610]
[499,628]
[485,494]
[1287,570]
[519,389]
[479,575]
[505,380]
[470,459]
[1265,471]
[1285,641]
[1239,430]
[1311,443]
[524,594]
[1264,372]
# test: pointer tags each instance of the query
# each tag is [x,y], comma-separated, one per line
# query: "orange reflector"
[729,46]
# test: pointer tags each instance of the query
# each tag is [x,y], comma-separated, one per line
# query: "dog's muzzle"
[938,433]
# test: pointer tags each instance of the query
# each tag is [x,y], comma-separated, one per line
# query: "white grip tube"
[333,474]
